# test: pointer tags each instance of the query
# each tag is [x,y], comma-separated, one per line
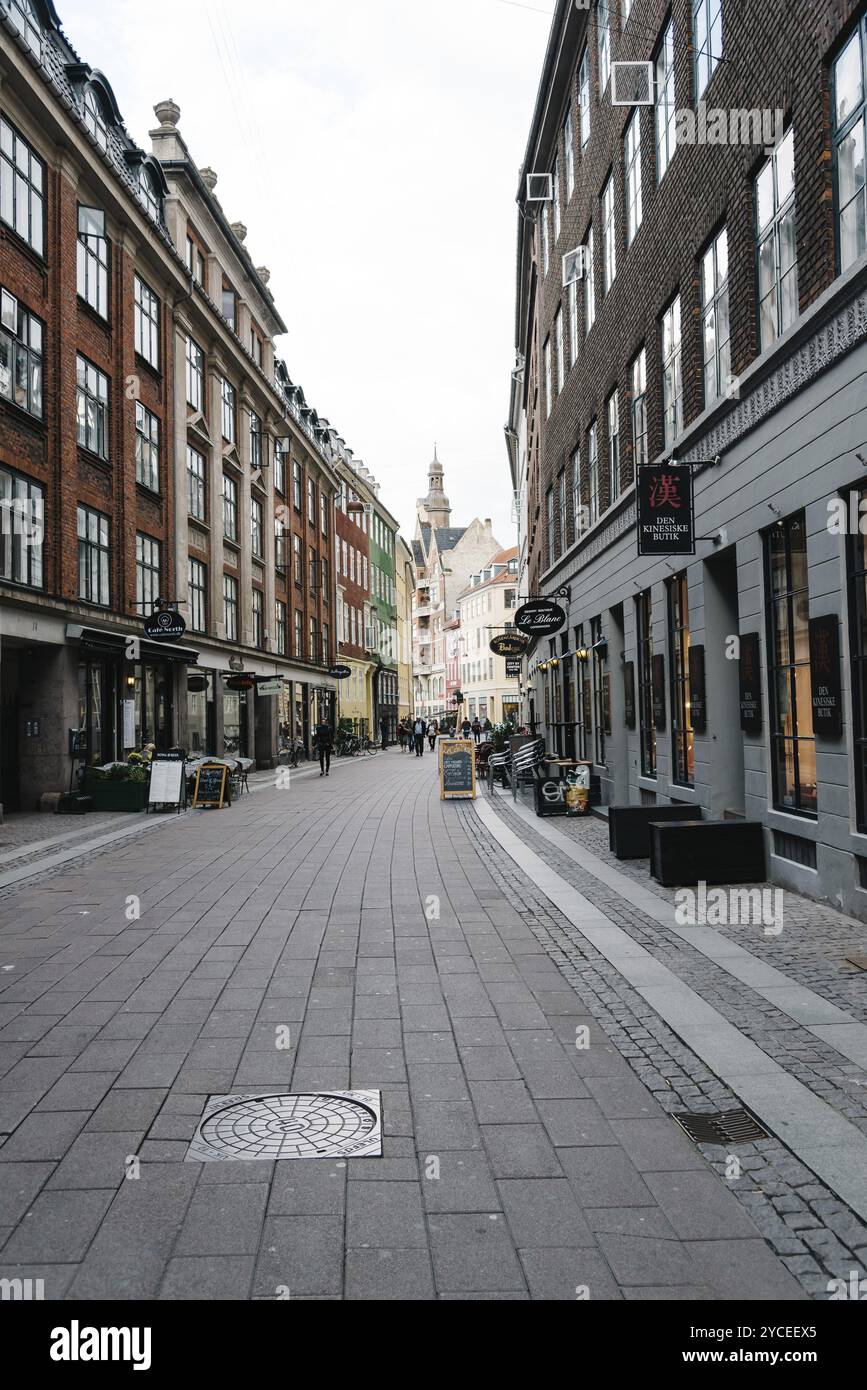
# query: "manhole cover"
[336,1124]
[724,1127]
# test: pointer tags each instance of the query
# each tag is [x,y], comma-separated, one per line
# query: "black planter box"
[710,851]
[74,805]
[629,827]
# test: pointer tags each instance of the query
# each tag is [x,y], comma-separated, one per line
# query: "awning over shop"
[109,643]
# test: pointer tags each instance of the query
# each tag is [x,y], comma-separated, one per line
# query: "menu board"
[212,786]
[168,786]
[457,768]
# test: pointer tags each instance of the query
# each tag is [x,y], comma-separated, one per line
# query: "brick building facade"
[715,309]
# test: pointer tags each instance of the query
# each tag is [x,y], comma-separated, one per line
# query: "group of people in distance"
[412,733]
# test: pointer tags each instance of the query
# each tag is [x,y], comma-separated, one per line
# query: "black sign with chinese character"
[825,676]
[750,683]
[658,691]
[665,510]
[697,696]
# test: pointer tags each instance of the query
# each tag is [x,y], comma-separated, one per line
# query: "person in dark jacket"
[466,729]
[383,732]
[432,731]
[419,729]
[323,741]
[477,730]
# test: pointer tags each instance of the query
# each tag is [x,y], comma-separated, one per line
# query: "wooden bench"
[628,827]
[708,851]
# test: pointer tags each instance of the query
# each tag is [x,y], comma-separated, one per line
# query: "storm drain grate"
[334,1124]
[723,1127]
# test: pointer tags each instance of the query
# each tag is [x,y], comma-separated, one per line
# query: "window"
[625,12]
[544,233]
[297,563]
[195,483]
[672,382]
[228,399]
[22,187]
[569,153]
[857,568]
[148,194]
[549,397]
[647,728]
[584,97]
[510,599]
[639,410]
[602,717]
[195,262]
[592,475]
[229,305]
[561,510]
[280,542]
[147,574]
[195,376]
[665,116]
[632,163]
[707,41]
[281,629]
[850,118]
[311,501]
[92,269]
[147,448]
[22,513]
[92,408]
[572,308]
[793,744]
[147,324]
[313,569]
[256,347]
[298,647]
[609,235]
[314,640]
[682,737]
[324,567]
[555,200]
[323,513]
[579,512]
[230,508]
[198,595]
[777,251]
[589,284]
[280,467]
[613,448]
[258,618]
[255,440]
[324,644]
[715,317]
[230,607]
[20,355]
[603,37]
[256,528]
[25,20]
[549,525]
[561,363]
[93,553]
[296,484]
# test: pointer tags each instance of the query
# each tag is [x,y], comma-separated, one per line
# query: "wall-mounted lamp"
[130,680]
[582,654]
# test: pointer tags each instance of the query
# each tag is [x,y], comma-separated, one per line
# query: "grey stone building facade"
[719,317]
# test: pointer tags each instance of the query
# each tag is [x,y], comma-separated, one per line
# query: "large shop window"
[200,713]
[647,728]
[235,722]
[683,740]
[793,745]
[20,355]
[857,565]
[153,705]
[849,111]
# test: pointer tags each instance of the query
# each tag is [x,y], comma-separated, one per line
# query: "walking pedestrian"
[323,741]
[466,728]
[419,731]
[383,730]
[476,727]
[433,729]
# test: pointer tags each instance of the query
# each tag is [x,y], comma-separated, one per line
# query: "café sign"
[540,615]
[165,626]
[509,644]
[666,522]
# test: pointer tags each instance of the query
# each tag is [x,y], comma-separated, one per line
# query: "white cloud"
[372,148]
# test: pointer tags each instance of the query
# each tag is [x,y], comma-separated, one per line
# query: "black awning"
[107,643]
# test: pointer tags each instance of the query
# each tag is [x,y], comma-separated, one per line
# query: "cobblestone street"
[357,933]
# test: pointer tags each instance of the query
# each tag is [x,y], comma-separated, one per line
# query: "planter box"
[723,851]
[629,826]
[109,795]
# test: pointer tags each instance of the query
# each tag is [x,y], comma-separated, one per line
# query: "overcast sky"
[372,148]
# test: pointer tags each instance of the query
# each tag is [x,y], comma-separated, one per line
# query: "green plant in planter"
[138,774]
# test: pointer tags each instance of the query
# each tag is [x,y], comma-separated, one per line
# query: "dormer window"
[94,118]
[148,193]
[25,20]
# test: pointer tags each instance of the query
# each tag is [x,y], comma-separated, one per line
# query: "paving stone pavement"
[401,953]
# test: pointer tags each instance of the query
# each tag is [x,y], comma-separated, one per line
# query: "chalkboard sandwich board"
[457,768]
[212,786]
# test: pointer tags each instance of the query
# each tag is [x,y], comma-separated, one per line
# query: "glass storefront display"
[201,709]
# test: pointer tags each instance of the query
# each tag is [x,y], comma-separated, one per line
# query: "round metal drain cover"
[328,1125]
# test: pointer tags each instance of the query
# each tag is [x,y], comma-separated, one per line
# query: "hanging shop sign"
[697,697]
[629,693]
[750,684]
[212,786]
[513,667]
[274,687]
[540,615]
[241,683]
[658,691]
[457,768]
[197,685]
[165,626]
[666,522]
[340,673]
[509,644]
[825,676]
